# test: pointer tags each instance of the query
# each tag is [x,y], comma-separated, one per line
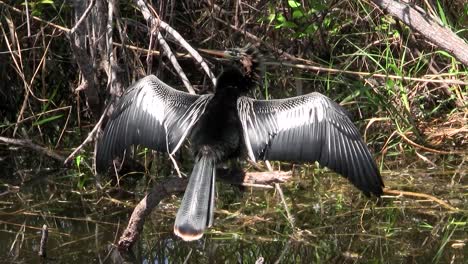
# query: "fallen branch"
[29,144]
[422,22]
[160,191]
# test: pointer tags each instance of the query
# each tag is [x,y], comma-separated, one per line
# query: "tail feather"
[197,208]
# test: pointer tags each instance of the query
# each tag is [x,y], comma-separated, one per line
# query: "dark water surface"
[333,222]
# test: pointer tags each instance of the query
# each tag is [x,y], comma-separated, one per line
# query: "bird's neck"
[227,94]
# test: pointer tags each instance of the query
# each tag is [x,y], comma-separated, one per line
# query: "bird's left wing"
[308,128]
[151,114]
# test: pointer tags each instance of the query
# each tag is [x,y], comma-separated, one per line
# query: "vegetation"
[408,96]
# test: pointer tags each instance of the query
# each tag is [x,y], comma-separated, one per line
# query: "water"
[333,222]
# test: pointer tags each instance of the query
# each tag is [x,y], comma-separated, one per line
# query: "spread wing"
[151,114]
[308,128]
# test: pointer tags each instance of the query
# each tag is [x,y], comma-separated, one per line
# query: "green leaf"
[443,18]
[271,17]
[297,14]
[46,120]
[287,24]
[390,84]
[78,160]
[311,29]
[294,4]
[280,18]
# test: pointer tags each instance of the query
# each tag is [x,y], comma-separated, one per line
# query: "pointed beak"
[224,54]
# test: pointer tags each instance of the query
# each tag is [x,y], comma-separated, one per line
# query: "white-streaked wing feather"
[151,114]
[308,128]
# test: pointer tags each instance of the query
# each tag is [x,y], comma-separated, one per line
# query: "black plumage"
[228,125]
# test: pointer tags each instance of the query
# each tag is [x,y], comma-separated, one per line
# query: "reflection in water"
[333,222]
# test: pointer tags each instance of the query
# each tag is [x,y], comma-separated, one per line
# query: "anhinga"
[227,125]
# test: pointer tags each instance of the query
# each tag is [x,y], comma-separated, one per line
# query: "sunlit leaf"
[280,18]
[294,4]
[78,160]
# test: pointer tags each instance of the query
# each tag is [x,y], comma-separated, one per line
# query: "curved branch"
[160,191]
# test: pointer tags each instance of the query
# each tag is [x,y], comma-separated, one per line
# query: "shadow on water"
[333,223]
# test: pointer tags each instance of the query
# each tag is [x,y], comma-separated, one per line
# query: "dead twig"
[367,74]
[83,16]
[88,138]
[428,78]
[414,144]
[286,208]
[155,22]
[43,245]
[421,195]
[64,29]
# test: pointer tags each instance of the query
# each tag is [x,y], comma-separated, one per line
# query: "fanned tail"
[197,208]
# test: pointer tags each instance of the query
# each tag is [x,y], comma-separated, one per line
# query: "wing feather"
[151,114]
[308,128]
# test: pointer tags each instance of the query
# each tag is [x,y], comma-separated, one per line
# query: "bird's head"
[246,69]
[249,60]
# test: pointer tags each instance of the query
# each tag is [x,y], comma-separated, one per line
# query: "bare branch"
[155,23]
[153,20]
[82,18]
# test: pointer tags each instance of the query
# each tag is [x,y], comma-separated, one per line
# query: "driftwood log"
[160,191]
[417,19]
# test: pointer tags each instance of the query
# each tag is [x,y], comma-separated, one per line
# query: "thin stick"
[428,78]
[366,74]
[286,208]
[85,14]
[256,185]
[35,18]
[175,63]
[155,22]
[88,138]
[430,149]
[43,245]
[196,56]
[421,195]
[28,22]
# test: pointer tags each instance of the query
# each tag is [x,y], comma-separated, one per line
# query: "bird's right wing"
[151,114]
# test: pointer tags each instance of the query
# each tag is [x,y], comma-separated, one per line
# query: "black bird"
[227,125]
